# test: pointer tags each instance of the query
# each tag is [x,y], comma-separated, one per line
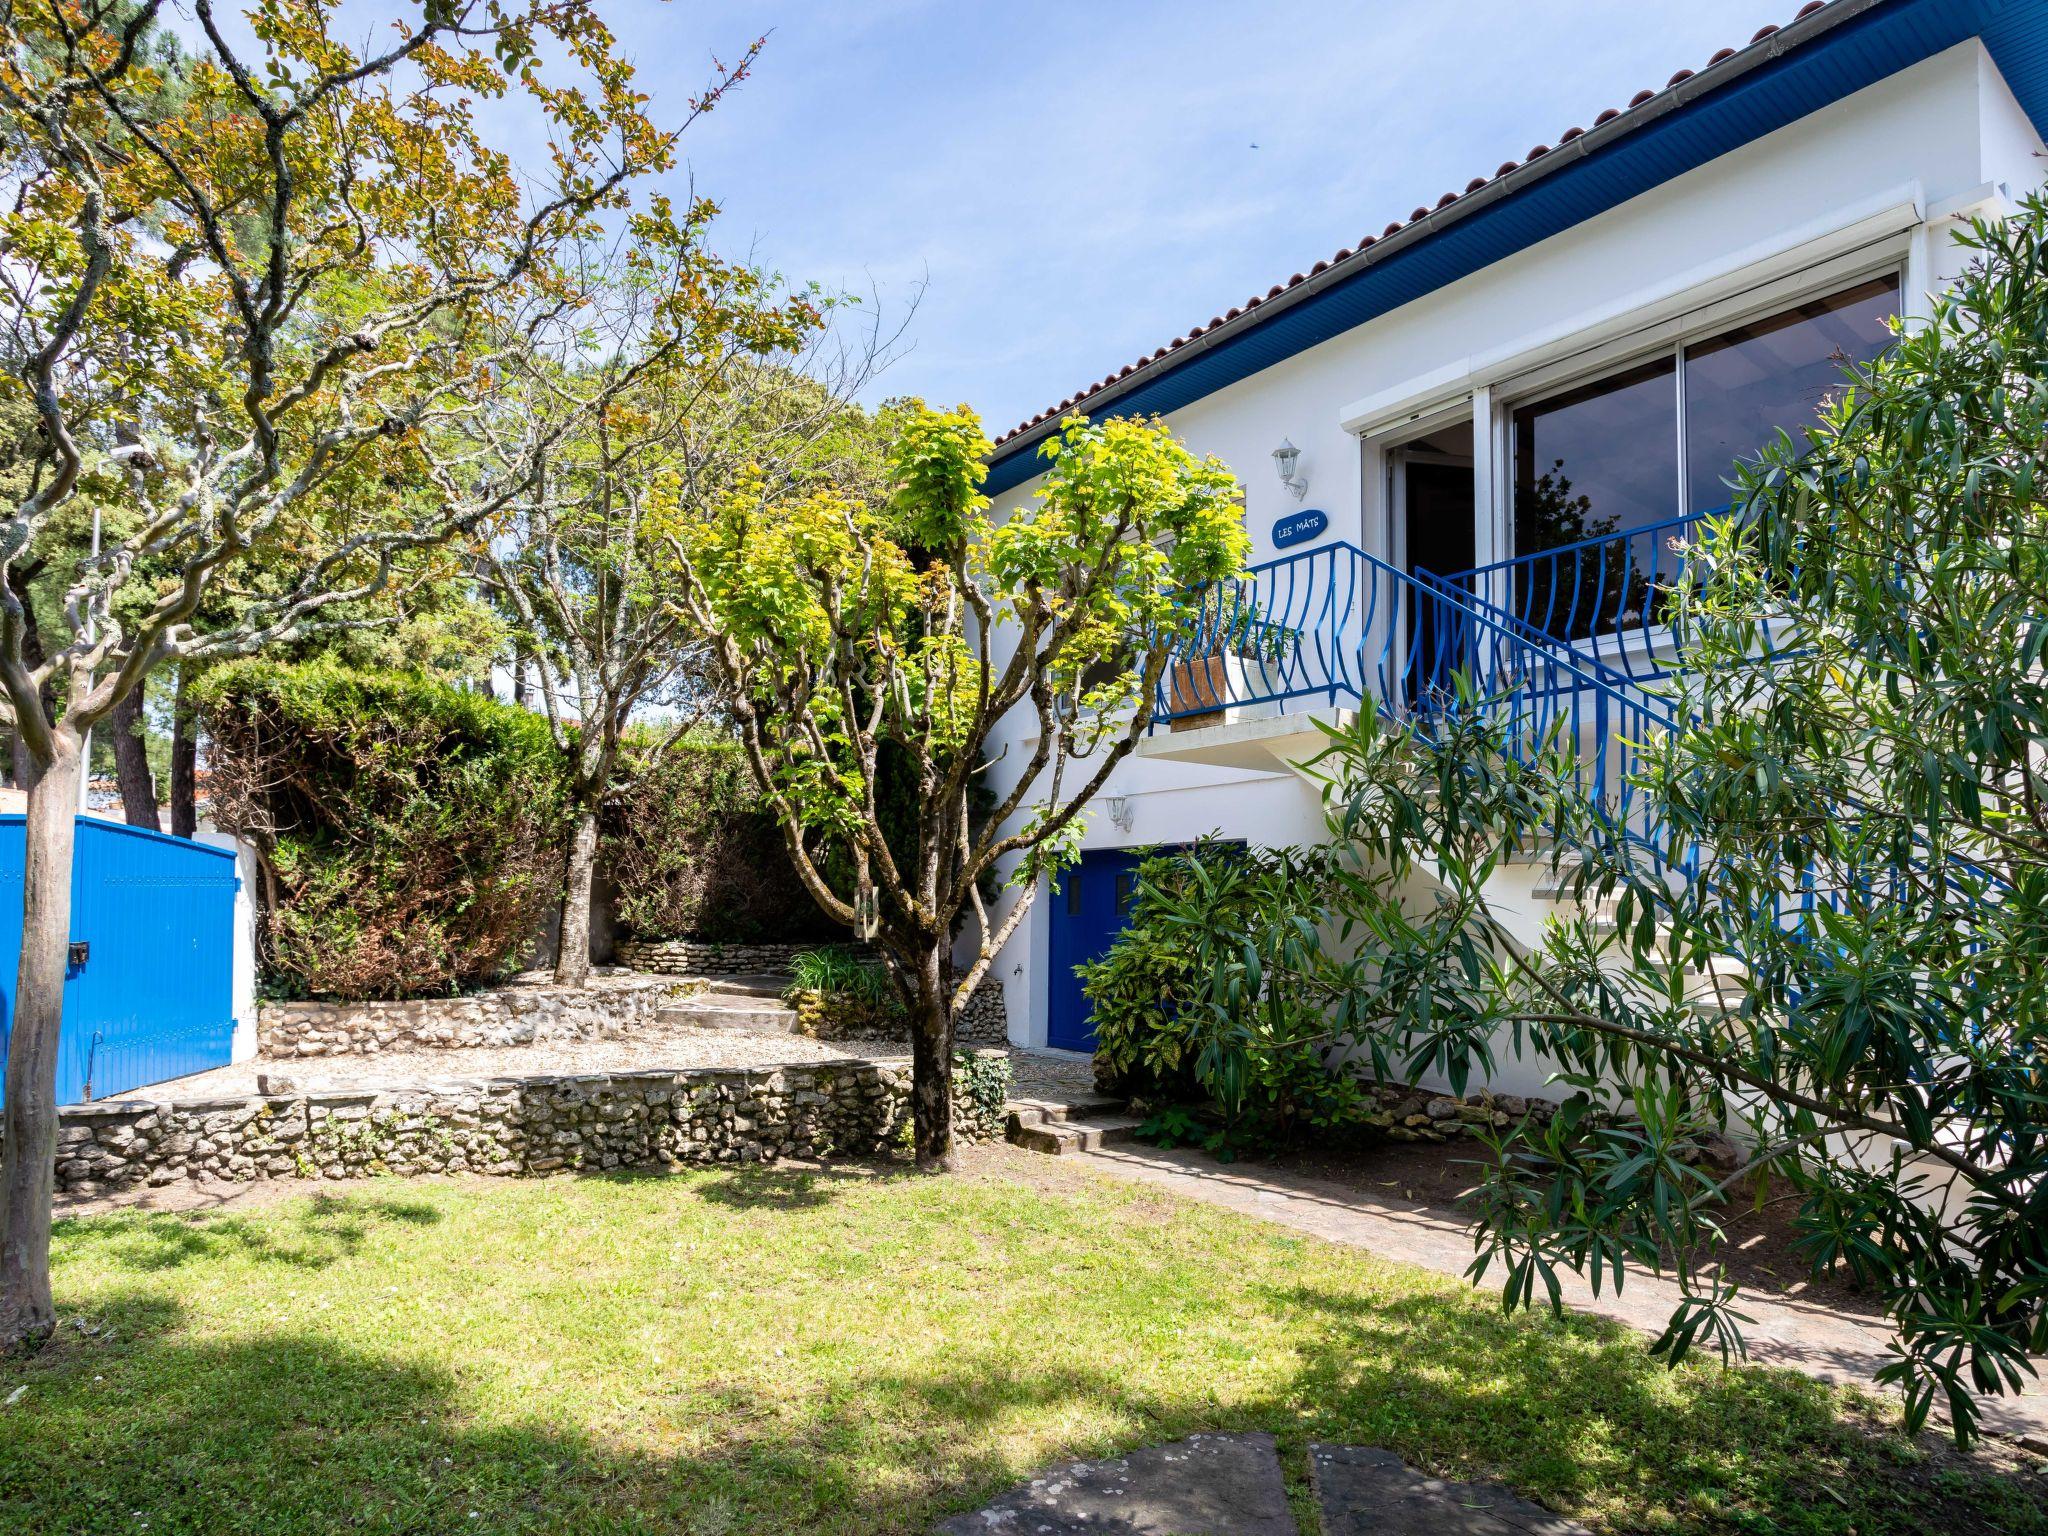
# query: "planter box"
[1203,691]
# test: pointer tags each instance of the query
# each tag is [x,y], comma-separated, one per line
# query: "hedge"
[408,833]
[688,849]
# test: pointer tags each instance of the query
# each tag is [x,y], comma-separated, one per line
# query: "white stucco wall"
[1881,176]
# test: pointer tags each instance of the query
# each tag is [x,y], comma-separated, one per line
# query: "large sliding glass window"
[1742,388]
[1598,459]
[1607,461]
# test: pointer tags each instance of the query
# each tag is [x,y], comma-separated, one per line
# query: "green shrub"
[689,849]
[1267,1076]
[840,994]
[840,973]
[408,833]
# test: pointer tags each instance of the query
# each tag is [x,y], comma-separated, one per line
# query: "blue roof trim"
[1857,53]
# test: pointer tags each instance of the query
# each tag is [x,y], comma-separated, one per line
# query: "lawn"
[853,1351]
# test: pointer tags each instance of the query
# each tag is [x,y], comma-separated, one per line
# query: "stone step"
[1361,1491]
[1060,1137]
[744,1014]
[760,984]
[1024,1113]
[1205,1485]
[719,997]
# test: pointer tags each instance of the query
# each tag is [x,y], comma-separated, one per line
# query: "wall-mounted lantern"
[1286,457]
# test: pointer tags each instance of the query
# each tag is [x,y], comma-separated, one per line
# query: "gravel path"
[661,1048]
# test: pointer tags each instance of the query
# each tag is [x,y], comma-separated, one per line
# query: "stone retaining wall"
[701,957]
[515,1126]
[527,1010]
[984,1021]
[1423,1114]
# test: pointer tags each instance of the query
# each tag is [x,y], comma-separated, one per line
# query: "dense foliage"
[408,832]
[690,849]
[1821,926]
[1152,994]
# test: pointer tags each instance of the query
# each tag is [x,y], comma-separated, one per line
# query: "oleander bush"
[1155,997]
[408,833]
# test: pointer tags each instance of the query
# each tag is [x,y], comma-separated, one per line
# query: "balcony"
[1571,651]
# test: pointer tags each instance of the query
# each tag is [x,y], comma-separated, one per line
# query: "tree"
[583,565]
[304,268]
[843,625]
[1822,926]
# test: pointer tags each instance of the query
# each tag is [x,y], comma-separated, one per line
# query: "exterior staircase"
[1059,1127]
[735,1002]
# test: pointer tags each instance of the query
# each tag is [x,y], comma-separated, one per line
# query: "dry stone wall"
[1422,1114]
[984,1021]
[529,1009]
[518,1126]
[701,957]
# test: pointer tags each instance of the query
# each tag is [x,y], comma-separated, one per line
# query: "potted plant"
[1235,665]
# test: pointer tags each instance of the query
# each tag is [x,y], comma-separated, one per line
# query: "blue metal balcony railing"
[1336,624]
[1331,624]
[1566,645]
[1605,596]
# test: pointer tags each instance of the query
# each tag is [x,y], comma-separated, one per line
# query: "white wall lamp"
[1121,812]
[1286,457]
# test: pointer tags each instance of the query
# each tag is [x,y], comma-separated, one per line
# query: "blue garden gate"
[150,991]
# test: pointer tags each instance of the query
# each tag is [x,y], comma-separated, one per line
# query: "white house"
[1628,309]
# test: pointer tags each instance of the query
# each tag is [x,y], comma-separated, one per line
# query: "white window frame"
[1493,502]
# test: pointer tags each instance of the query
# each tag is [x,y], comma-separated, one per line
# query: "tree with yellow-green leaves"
[268,294]
[910,622]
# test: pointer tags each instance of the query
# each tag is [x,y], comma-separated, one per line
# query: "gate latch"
[80,952]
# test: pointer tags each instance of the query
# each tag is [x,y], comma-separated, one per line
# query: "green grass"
[765,1351]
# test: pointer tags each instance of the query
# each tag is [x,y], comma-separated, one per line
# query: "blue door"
[150,992]
[1090,906]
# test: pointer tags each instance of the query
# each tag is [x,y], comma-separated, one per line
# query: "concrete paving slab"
[1205,1485]
[1361,1491]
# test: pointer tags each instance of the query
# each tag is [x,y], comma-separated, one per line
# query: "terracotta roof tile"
[1607,115]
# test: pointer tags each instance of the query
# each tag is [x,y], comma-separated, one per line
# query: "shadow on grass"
[133,1426]
[791,1189]
[313,1234]
[129,1418]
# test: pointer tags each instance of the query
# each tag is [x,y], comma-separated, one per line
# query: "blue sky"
[1074,183]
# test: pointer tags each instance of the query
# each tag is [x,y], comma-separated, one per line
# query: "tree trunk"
[184,764]
[931,1063]
[131,761]
[28,1158]
[572,951]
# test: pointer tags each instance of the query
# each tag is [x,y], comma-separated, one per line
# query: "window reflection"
[1589,464]
[1601,463]
[1741,388]
[1598,459]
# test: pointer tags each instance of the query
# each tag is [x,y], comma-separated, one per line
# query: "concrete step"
[749,1013]
[760,984]
[1060,1137]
